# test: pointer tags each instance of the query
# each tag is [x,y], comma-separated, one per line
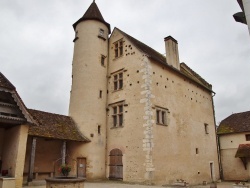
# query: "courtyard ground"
[112,184]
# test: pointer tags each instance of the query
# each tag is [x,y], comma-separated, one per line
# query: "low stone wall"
[62,182]
[7,182]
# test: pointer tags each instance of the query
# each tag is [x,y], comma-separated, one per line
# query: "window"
[196,150]
[99,129]
[118,81]
[206,128]
[161,116]
[247,137]
[118,48]
[117,115]
[103,60]
[101,34]
[76,36]
[100,94]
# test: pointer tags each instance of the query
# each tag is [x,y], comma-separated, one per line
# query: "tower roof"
[93,13]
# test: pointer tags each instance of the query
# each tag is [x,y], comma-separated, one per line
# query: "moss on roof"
[55,126]
[235,123]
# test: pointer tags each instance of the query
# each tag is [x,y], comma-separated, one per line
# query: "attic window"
[118,48]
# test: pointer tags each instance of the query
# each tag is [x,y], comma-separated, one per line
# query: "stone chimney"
[172,54]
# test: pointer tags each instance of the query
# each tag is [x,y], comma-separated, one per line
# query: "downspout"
[217,140]
[107,93]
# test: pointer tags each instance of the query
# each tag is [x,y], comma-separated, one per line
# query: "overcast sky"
[37,49]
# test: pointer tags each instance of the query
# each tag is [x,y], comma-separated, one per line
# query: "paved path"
[110,184]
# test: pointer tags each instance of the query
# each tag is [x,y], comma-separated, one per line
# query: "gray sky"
[37,49]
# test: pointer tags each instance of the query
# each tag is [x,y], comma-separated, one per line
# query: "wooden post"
[32,159]
[64,148]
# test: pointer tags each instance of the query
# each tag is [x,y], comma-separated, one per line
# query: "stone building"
[234,139]
[134,115]
[149,117]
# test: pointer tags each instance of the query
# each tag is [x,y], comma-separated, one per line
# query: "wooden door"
[115,164]
[81,167]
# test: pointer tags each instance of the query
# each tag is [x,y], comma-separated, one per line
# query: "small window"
[100,94]
[101,34]
[118,115]
[76,36]
[99,129]
[247,137]
[103,60]
[118,81]
[206,128]
[197,150]
[161,116]
[118,48]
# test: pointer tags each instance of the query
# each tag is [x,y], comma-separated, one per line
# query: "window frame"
[117,115]
[118,48]
[118,81]
[161,116]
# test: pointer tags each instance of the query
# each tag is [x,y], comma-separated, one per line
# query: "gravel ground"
[110,184]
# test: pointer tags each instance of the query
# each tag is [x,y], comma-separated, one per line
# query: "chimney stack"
[172,54]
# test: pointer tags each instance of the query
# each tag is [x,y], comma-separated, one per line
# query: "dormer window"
[118,48]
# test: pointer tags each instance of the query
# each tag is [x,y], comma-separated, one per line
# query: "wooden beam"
[32,159]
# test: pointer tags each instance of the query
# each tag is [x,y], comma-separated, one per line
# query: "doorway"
[81,167]
[115,164]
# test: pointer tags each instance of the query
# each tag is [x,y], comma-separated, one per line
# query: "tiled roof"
[243,151]
[93,13]
[235,123]
[153,54]
[55,126]
[4,82]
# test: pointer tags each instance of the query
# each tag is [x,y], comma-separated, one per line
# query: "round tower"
[89,88]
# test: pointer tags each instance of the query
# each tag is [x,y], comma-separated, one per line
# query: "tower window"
[100,94]
[206,128]
[118,48]
[101,34]
[76,36]
[117,115]
[103,60]
[118,81]
[197,150]
[99,129]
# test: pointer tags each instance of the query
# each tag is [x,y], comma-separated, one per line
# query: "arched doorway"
[115,164]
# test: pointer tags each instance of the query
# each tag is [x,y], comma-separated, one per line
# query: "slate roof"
[243,151]
[55,126]
[153,54]
[4,82]
[93,13]
[235,123]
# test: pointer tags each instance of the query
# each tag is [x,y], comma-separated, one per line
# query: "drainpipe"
[217,141]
